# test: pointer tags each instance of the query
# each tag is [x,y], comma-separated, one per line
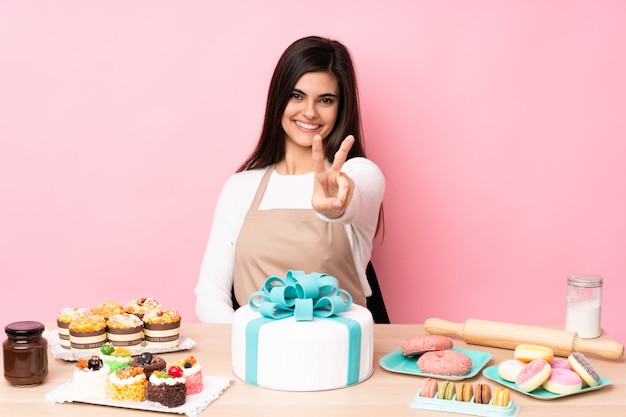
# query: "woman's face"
[312,108]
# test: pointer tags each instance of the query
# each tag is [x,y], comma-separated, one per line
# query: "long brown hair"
[310,54]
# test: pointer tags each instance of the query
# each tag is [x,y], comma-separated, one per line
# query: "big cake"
[302,333]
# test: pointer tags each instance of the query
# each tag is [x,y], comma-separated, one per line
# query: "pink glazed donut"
[563,381]
[445,362]
[533,375]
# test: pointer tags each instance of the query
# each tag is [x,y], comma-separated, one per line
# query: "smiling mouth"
[307,125]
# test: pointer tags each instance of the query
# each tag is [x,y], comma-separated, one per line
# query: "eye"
[296,96]
[327,100]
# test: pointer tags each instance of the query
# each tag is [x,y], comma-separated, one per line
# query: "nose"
[309,111]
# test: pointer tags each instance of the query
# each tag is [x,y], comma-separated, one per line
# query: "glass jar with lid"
[584,305]
[25,353]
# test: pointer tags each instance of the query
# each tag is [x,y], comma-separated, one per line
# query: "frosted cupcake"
[90,378]
[141,306]
[87,334]
[64,318]
[161,327]
[125,330]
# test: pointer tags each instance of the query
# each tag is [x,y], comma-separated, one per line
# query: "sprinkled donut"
[445,362]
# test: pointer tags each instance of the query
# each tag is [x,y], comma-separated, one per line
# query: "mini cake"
[141,306]
[107,309]
[161,327]
[149,363]
[128,384]
[168,387]
[64,318]
[91,378]
[115,357]
[87,334]
[125,330]
[193,374]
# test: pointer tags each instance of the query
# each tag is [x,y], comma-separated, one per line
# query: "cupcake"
[128,384]
[167,387]
[161,327]
[87,334]
[142,306]
[90,378]
[107,309]
[149,363]
[115,357]
[125,330]
[64,318]
[192,371]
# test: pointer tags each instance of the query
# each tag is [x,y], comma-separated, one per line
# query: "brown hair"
[310,54]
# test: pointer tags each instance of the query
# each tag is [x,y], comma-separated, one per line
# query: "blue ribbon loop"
[300,295]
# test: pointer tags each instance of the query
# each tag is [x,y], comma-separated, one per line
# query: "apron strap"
[261,189]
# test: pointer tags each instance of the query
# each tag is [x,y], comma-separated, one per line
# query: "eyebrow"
[296,90]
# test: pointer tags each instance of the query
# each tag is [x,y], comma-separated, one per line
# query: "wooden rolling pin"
[508,336]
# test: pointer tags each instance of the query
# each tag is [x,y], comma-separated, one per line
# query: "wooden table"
[383,394]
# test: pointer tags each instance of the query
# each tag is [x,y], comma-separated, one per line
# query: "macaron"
[447,390]
[501,397]
[533,375]
[563,381]
[429,389]
[482,394]
[583,368]
[527,353]
[464,391]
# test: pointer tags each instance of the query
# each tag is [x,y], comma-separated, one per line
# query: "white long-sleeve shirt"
[213,290]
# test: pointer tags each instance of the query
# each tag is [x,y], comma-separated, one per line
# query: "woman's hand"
[333,189]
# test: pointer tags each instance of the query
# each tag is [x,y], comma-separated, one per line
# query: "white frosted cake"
[318,354]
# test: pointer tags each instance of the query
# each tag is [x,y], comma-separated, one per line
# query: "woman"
[307,198]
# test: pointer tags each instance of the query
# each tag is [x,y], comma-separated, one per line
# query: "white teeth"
[307,126]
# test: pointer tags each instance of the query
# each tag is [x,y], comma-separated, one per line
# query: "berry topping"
[175,371]
[188,365]
[145,358]
[94,363]
[107,349]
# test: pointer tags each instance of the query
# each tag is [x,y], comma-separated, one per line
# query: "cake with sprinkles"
[168,387]
[128,384]
[161,327]
[125,330]
[90,378]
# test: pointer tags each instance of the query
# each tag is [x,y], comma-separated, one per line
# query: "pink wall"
[500,127]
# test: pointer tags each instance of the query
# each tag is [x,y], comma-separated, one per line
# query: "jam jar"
[25,354]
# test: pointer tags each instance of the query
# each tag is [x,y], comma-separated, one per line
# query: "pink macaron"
[563,381]
[533,375]
[430,388]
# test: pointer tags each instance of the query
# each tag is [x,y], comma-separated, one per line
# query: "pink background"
[500,127]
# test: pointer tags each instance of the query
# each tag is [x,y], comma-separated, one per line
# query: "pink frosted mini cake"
[193,374]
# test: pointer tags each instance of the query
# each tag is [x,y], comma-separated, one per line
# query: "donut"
[563,381]
[482,394]
[510,369]
[533,375]
[430,387]
[583,368]
[560,363]
[464,392]
[415,346]
[527,353]
[445,362]
[501,397]
[447,391]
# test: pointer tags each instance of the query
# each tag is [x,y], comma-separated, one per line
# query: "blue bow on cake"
[300,295]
